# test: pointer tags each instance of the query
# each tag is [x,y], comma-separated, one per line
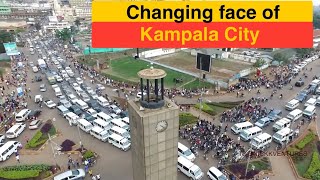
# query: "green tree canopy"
[281,58]
[260,62]
[301,52]
[64,34]
[316,20]
[77,22]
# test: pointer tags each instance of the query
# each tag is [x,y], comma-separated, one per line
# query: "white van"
[119,142]
[248,134]
[104,116]
[119,123]
[102,101]
[315,82]
[310,102]
[22,115]
[126,120]
[8,149]
[280,124]
[294,115]
[83,105]
[261,141]
[85,125]
[100,133]
[72,118]
[15,130]
[237,128]
[216,174]
[185,152]
[283,136]
[120,131]
[187,167]
[102,124]
[309,111]
[291,105]
[63,110]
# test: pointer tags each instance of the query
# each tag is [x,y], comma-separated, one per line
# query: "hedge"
[227,105]
[40,138]
[206,108]
[314,165]
[23,171]
[306,140]
[187,118]
[88,154]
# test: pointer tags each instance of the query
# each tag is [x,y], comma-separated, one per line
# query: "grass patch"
[126,69]
[260,165]
[217,108]
[23,171]
[306,140]
[196,84]
[187,118]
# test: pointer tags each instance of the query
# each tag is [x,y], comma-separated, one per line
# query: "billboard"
[11,49]
[203,62]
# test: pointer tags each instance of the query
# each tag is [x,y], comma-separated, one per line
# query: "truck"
[42,64]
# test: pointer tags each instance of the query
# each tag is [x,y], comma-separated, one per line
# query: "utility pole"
[248,161]
[200,103]
[80,142]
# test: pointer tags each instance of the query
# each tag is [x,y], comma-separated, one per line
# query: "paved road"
[114,163]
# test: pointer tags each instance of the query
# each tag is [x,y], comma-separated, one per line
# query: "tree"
[260,62]
[302,52]
[316,20]
[64,34]
[4,38]
[281,58]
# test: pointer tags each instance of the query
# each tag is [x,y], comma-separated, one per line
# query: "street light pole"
[80,142]
[248,161]
[53,152]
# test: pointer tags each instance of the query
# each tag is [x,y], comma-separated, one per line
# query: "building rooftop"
[53,18]
[316,33]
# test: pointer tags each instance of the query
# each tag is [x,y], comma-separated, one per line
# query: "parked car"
[38,78]
[43,88]
[35,124]
[75,109]
[299,83]
[274,114]
[71,175]
[50,104]
[301,97]
[100,87]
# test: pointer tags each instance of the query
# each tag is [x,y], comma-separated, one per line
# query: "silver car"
[43,88]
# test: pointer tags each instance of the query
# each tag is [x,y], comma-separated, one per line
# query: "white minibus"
[291,105]
[261,141]
[102,101]
[100,133]
[119,142]
[283,136]
[187,167]
[126,120]
[248,134]
[309,111]
[104,116]
[15,130]
[83,105]
[119,123]
[185,152]
[120,131]
[85,125]
[294,115]
[102,124]
[22,115]
[72,118]
[237,128]
[311,102]
[8,149]
[280,124]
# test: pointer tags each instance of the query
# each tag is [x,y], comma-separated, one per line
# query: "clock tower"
[154,125]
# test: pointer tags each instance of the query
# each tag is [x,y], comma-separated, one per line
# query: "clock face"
[162,126]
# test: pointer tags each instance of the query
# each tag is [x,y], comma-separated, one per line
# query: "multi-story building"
[56,24]
[316,38]
[30,7]
[62,8]
[82,8]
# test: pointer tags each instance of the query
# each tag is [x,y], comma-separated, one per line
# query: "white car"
[92,112]
[79,80]
[35,69]
[35,124]
[71,174]
[75,86]
[55,62]
[100,87]
[93,95]
[50,104]
[216,174]
[58,78]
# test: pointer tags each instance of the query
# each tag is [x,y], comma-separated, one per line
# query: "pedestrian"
[98,176]
[18,158]
[86,168]
[69,166]
[267,178]
[94,178]
[90,173]
[77,163]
